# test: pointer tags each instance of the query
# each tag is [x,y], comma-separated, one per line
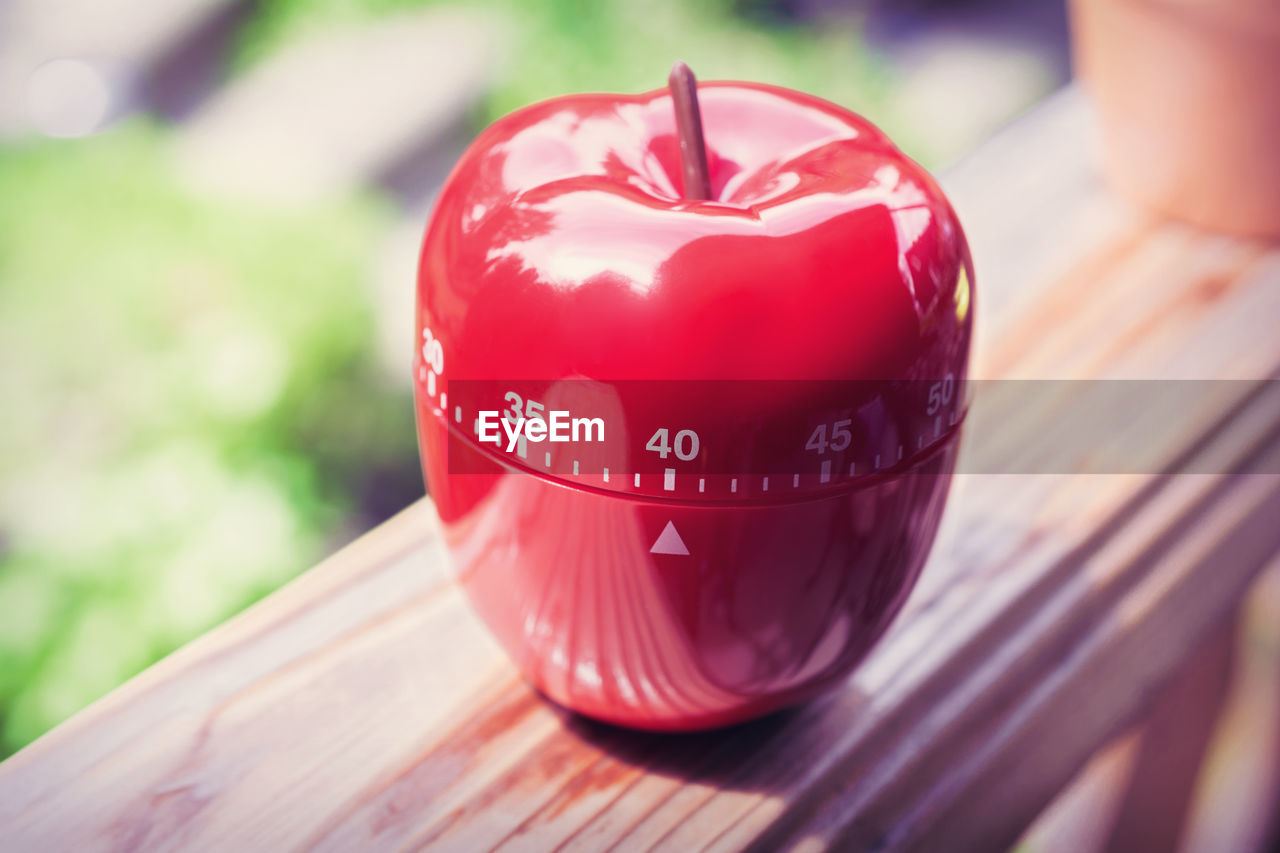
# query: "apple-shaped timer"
[691,373]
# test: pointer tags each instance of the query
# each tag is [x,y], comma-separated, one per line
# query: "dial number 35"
[521,409]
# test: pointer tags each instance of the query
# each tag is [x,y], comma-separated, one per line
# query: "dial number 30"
[432,351]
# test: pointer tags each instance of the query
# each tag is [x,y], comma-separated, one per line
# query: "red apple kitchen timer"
[690,377]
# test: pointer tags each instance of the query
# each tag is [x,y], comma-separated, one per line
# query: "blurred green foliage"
[191,411]
[561,46]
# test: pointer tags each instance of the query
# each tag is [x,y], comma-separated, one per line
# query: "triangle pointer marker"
[669,542]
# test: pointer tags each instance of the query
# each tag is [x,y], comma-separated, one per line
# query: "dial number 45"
[840,437]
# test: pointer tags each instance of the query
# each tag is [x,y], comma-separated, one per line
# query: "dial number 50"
[941,394]
[685,447]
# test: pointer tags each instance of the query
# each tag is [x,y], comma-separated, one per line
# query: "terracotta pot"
[1189,97]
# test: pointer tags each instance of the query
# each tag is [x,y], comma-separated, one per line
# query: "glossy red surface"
[826,283]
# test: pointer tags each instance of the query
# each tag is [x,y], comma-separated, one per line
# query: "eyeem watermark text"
[558,426]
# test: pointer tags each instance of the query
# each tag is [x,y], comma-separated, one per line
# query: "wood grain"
[1175,739]
[364,707]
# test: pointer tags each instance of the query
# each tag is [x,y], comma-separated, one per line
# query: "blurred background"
[209,217]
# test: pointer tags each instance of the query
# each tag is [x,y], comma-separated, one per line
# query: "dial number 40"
[685,447]
[840,437]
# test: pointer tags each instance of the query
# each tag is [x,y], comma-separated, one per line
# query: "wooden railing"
[363,706]
[1071,645]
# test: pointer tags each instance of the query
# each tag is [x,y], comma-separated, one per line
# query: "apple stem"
[693,147]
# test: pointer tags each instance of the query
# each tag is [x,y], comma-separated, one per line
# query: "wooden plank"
[1238,799]
[144,54]
[1153,812]
[364,707]
[1080,818]
[1236,789]
[341,108]
[320,631]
